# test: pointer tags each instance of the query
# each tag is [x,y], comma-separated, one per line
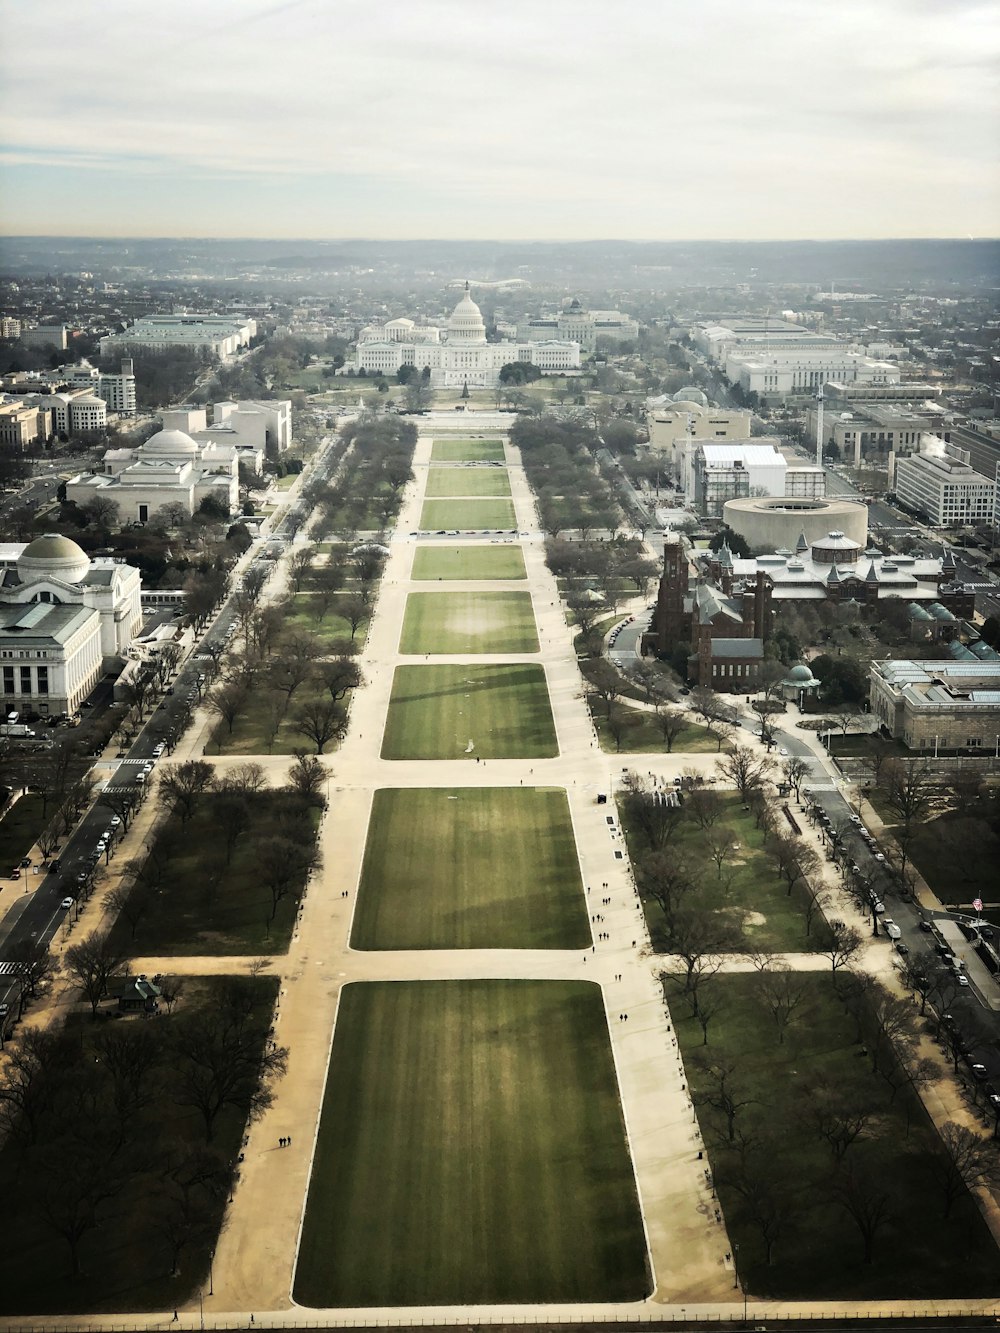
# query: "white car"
[66,904]
[783,752]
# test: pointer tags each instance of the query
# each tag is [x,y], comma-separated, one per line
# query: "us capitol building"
[458,354]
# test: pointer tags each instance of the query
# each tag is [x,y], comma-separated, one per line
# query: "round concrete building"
[774,524]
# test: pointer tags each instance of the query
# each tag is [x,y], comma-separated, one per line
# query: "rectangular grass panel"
[471,868]
[471,1150]
[468,562]
[469,622]
[467,514]
[449,481]
[467,451]
[453,711]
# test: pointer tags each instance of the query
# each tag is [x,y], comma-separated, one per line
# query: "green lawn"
[471,1150]
[471,868]
[302,615]
[749,884]
[204,905]
[640,735]
[788,1173]
[469,622]
[445,481]
[467,451]
[19,828]
[467,514]
[436,712]
[468,562]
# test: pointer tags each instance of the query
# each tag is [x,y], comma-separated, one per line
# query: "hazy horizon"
[698,120]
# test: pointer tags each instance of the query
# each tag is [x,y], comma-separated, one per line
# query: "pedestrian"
[289,1140]
[174,1320]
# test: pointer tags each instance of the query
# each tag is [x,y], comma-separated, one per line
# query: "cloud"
[564,111]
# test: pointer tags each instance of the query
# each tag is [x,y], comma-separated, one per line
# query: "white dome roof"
[55,555]
[170,442]
[466,322]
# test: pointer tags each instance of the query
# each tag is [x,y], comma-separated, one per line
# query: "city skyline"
[708,121]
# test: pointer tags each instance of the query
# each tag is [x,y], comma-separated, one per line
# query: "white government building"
[940,483]
[458,354]
[64,621]
[170,468]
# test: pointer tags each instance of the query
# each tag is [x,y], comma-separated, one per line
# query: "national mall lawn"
[471,868]
[452,711]
[469,622]
[471,1151]
[467,451]
[468,562]
[443,482]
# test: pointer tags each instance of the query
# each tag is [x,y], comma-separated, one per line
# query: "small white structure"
[64,620]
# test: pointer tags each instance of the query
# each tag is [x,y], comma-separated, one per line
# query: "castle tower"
[670,622]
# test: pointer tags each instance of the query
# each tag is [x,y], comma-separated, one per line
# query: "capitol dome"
[53,555]
[466,323]
[170,442]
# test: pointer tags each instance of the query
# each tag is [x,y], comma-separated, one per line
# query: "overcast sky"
[641,119]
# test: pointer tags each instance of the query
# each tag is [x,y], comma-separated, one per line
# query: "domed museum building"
[65,620]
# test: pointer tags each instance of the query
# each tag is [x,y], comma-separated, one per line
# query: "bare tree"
[229,701]
[865,1204]
[704,806]
[129,904]
[845,942]
[795,771]
[224,1060]
[307,776]
[699,938]
[30,1082]
[792,858]
[355,610]
[723,1094]
[232,812]
[838,1119]
[670,723]
[966,1162]
[183,786]
[131,1055]
[321,721]
[620,721]
[745,768]
[340,675]
[667,878]
[94,963]
[248,779]
[299,565]
[783,993]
